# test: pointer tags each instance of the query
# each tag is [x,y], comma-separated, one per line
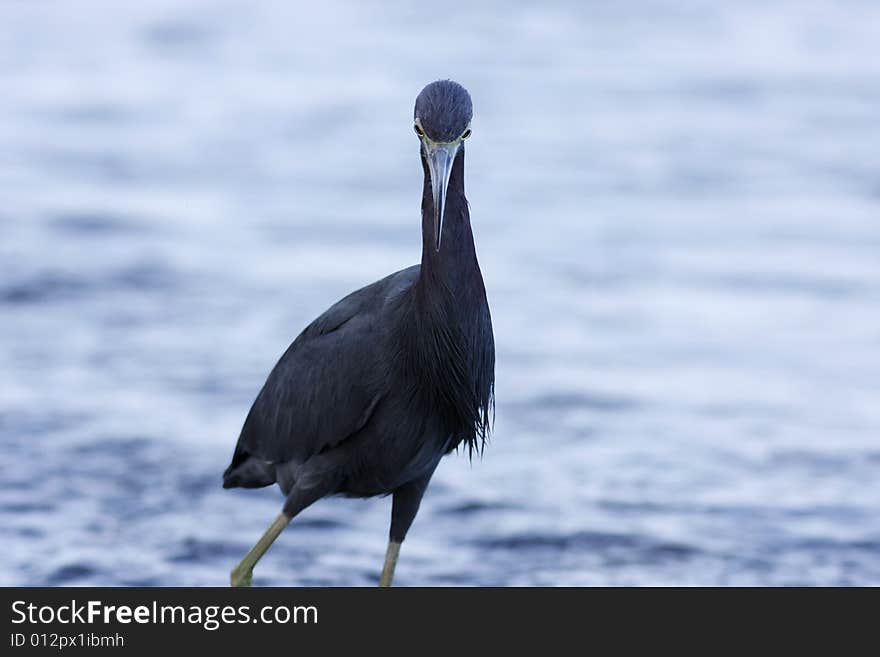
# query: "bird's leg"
[390,562]
[244,571]
[297,500]
[404,508]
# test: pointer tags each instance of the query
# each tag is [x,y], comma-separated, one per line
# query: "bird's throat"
[454,263]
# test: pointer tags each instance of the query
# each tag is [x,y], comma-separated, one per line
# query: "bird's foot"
[241,577]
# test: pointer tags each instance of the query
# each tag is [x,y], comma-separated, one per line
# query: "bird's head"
[442,120]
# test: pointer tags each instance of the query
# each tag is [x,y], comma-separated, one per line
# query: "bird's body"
[372,394]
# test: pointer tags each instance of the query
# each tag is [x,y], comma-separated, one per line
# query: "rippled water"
[677,210]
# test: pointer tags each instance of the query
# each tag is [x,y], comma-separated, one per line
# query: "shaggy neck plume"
[450,322]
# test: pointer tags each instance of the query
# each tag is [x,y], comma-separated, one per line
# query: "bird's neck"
[454,265]
[447,339]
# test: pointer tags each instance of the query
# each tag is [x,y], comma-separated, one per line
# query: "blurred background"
[676,208]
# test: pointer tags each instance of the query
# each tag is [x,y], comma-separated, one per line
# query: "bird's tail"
[248,471]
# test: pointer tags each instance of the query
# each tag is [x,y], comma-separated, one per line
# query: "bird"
[374,392]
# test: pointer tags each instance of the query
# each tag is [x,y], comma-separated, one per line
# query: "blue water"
[677,211]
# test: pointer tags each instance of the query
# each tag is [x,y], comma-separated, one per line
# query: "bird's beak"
[440,158]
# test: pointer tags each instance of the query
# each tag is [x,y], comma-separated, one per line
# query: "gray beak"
[440,158]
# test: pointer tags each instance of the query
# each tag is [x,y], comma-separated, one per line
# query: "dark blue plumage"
[375,391]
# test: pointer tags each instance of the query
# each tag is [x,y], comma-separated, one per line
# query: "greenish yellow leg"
[243,573]
[390,563]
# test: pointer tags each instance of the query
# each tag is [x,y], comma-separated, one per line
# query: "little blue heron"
[374,392]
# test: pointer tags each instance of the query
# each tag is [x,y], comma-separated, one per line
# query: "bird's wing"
[328,382]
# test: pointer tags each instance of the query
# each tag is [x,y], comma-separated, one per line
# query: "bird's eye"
[418,129]
[466,134]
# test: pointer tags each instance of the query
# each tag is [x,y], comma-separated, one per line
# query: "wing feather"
[329,381]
